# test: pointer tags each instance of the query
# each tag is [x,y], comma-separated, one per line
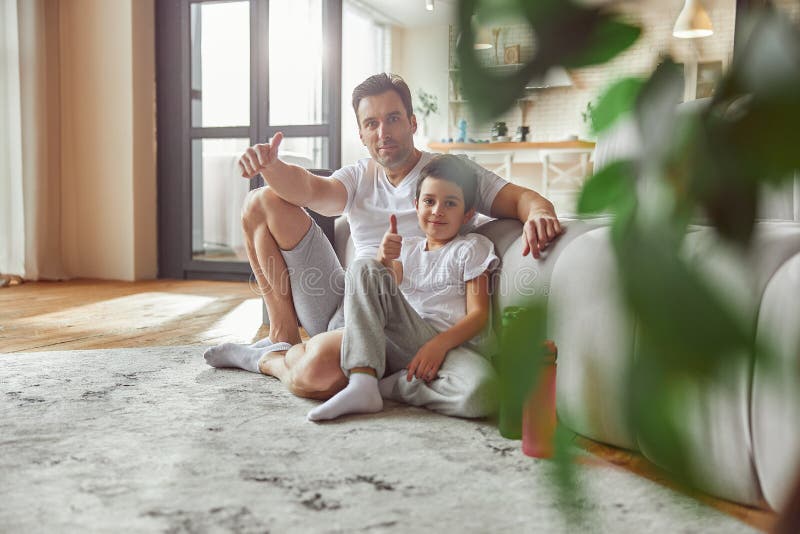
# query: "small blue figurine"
[462,131]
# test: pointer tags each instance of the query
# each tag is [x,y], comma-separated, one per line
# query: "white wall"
[420,56]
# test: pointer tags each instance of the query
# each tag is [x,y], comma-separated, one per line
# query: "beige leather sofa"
[744,430]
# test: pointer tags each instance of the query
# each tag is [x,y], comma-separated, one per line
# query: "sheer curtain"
[30,157]
[12,221]
[366,50]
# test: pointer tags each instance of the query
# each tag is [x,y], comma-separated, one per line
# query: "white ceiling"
[412,13]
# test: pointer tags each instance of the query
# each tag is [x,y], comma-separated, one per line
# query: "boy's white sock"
[360,395]
[240,356]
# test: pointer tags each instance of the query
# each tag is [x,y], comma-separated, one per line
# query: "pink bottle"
[539,415]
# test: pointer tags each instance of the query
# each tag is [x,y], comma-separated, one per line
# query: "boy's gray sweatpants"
[384,332]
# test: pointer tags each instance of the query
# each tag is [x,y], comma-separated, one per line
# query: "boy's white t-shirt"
[435,281]
[371,199]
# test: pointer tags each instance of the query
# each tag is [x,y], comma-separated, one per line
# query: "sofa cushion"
[717,418]
[776,389]
[596,337]
[521,278]
[594,334]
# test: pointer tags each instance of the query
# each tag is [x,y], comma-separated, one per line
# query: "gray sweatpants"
[384,332]
[317,281]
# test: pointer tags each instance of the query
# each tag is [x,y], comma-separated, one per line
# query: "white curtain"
[12,220]
[30,155]
[360,25]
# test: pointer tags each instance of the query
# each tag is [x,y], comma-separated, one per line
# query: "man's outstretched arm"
[292,183]
[536,213]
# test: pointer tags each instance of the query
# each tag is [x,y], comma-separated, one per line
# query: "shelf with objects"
[511,145]
[501,50]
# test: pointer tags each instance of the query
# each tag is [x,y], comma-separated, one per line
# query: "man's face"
[385,129]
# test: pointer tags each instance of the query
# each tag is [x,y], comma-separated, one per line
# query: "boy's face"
[440,209]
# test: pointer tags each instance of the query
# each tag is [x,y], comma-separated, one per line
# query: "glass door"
[230,74]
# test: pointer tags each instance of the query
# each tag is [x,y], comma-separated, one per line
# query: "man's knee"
[261,205]
[308,386]
[319,376]
[300,386]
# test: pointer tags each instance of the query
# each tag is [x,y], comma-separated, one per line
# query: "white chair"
[497,161]
[565,168]
[224,191]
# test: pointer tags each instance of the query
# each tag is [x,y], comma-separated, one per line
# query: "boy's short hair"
[453,169]
[377,84]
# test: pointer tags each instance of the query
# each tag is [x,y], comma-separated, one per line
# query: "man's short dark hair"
[453,169]
[377,84]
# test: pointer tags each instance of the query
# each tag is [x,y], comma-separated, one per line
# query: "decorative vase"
[499,129]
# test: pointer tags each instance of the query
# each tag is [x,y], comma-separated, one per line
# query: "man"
[297,271]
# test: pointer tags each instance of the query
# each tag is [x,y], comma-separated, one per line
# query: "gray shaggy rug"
[153,440]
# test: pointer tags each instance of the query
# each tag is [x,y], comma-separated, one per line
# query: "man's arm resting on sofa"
[536,213]
[292,183]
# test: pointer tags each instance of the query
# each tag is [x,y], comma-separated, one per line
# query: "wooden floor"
[86,314]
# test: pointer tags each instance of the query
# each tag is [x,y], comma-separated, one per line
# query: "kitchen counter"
[528,145]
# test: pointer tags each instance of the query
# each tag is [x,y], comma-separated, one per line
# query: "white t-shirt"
[371,199]
[435,281]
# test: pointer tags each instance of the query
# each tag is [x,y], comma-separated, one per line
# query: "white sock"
[240,356]
[262,343]
[360,395]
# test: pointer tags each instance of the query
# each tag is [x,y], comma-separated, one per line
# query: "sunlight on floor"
[142,310]
[242,322]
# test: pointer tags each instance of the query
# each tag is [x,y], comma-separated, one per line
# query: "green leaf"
[657,403]
[608,39]
[608,188]
[676,308]
[616,101]
[572,497]
[567,34]
[655,109]
[519,361]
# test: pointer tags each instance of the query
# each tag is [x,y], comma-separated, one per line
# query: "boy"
[442,302]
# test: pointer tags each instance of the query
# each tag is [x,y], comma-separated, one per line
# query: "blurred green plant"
[427,103]
[586,115]
[595,36]
[711,161]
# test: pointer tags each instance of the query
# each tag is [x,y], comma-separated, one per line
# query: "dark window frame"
[175,132]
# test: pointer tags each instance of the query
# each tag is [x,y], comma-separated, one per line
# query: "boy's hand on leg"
[427,361]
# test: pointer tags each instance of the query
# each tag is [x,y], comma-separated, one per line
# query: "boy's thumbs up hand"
[391,244]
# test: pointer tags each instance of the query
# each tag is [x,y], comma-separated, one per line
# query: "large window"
[366,49]
[231,73]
